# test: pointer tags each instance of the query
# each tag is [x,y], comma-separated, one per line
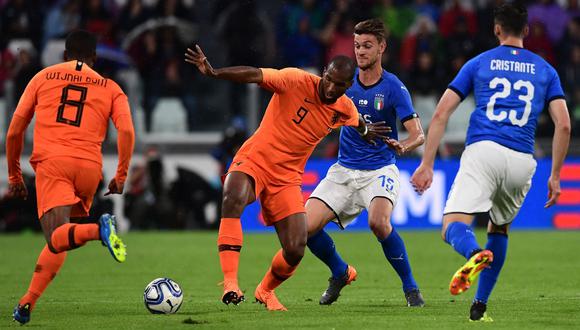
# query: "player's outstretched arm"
[14,145]
[241,74]
[415,139]
[423,176]
[559,113]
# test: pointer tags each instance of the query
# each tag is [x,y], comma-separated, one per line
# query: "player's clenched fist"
[17,190]
[115,187]
[422,178]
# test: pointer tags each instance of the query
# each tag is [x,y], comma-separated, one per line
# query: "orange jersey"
[294,123]
[72,104]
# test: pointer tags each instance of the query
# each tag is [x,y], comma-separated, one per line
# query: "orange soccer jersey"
[72,104]
[294,123]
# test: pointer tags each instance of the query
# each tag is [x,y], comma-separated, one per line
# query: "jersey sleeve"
[555,90]
[463,82]
[402,102]
[279,81]
[15,135]
[351,118]
[120,105]
[121,116]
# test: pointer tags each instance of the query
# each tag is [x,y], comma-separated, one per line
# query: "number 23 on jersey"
[506,90]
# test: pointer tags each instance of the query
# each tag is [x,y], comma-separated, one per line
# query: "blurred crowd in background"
[142,42]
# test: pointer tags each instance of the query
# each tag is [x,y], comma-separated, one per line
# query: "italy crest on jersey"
[379,102]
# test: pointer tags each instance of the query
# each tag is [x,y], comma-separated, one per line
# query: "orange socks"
[229,242]
[279,272]
[47,267]
[71,236]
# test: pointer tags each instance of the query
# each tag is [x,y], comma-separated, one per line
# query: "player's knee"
[443,231]
[294,251]
[232,202]
[380,226]
[314,227]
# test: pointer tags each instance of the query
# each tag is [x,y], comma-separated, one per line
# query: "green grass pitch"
[539,286]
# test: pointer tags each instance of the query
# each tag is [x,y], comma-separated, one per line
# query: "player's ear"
[496,30]
[526,31]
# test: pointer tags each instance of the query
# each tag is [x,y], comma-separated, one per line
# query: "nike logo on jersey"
[308,101]
[334,119]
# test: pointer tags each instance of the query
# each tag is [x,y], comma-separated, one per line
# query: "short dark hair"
[372,26]
[80,44]
[343,64]
[512,18]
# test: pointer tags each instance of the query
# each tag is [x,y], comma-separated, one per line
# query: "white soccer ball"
[163,296]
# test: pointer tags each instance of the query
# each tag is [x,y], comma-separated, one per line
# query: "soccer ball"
[163,296]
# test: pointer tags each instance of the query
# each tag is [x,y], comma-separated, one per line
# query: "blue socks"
[460,236]
[497,243]
[396,254]
[322,246]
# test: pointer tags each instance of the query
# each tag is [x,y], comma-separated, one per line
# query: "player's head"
[336,78]
[510,20]
[81,45]
[369,42]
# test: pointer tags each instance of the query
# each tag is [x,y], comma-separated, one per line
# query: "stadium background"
[188,127]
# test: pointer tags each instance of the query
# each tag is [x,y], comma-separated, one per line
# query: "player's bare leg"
[238,192]
[318,215]
[48,264]
[292,233]
[380,211]
[60,236]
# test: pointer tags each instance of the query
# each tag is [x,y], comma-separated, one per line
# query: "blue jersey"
[385,100]
[511,86]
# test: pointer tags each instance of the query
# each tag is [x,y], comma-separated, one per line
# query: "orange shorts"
[277,201]
[66,181]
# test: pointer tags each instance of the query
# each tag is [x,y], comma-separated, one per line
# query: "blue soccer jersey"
[385,100]
[511,86]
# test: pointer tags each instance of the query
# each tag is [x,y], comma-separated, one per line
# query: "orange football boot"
[269,299]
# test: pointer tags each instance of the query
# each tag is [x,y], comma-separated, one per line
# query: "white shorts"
[347,192]
[491,178]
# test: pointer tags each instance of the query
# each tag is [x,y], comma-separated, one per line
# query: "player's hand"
[422,178]
[396,145]
[198,58]
[377,131]
[115,187]
[553,191]
[17,190]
